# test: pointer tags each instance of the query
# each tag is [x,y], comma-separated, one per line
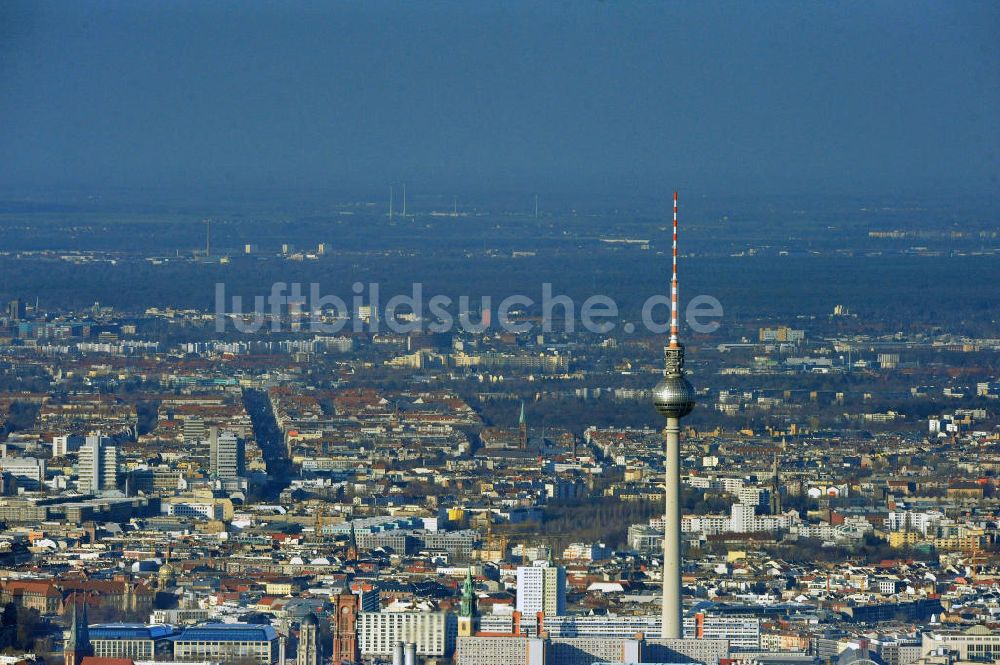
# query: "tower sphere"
[673,396]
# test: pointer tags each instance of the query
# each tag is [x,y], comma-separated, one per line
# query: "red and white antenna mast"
[674,341]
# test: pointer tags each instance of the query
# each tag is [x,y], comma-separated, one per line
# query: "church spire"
[522,429]
[468,621]
[775,490]
[468,608]
[352,546]
[78,644]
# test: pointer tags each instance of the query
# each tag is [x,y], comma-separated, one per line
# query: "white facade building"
[434,633]
[98,465]
[541,588]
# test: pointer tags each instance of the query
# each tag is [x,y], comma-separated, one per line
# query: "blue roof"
[129,631]
[227,632]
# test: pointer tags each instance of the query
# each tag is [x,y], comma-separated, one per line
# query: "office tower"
[16,310]
[541,588]
[673,397]
[194,429]
[369,598]
[308,652]
[226,457]
[68,443]
[743,518]
[98,465]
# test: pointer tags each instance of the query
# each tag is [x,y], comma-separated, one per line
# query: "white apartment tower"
[541,588]
[98,464]
[226,456]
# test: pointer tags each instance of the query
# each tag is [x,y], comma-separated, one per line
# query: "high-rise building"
[194,429]
[369,598]
[226,455]
[16,310]
[98,464]
[65,444]
[743,518]
[673,397]
[541,588]
[308,651]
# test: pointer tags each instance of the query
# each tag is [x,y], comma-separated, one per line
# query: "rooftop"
[227,632]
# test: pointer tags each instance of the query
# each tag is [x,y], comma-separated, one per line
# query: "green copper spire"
[468,608]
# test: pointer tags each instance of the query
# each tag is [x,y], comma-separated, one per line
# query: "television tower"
[673,397]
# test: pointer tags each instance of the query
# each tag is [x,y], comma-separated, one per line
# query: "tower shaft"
[672,606]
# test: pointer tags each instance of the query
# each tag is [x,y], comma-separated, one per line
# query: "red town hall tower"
[344,624]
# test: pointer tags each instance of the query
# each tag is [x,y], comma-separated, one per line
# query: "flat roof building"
[227,642]
[135,641]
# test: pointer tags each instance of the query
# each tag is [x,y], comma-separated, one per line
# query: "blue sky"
[612,97]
